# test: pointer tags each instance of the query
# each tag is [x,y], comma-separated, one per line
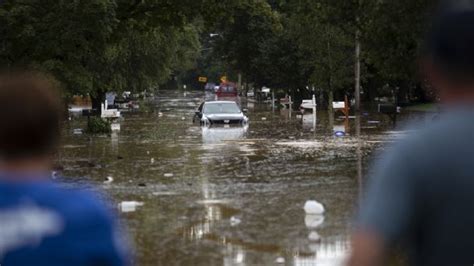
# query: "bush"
[146,106]
[97,125]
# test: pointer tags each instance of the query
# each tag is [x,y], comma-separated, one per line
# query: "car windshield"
[221,108]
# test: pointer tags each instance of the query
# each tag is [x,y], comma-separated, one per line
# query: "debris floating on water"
[239,258]
[129,206]
[54,174]
[264,119]
[108,180]
[164,193]
[339,134]
[152,160]
[234,221]
[168,175]
[313,207]
[280,260]
[77,131]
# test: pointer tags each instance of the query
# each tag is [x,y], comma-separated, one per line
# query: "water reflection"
[359,154]
[230,196]
[114,139]
[216,135]
[309,121]
[330,252]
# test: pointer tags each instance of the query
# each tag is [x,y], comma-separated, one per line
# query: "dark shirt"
[421,194]
[42,224]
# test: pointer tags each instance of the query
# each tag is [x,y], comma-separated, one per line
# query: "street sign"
[202,79]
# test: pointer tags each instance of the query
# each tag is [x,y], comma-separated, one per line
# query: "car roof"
[217,102]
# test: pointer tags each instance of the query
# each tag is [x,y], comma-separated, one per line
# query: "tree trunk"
[330,101]
[97,101]
[330,88]
[402,93]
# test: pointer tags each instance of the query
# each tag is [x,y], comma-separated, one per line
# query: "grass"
[425,107]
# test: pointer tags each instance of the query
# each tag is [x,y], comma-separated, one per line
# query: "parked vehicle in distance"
[210,86]
[220,112]
[227,90]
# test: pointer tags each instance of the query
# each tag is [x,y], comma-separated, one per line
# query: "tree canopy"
[100,45]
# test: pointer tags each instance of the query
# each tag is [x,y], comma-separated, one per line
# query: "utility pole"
[357,56]
[239,82]
[330,91]
[357,71]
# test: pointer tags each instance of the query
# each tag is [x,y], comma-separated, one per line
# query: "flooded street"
[230,196]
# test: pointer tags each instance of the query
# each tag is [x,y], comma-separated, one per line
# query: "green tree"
[68,39]
[98,45]
[393,40]
[242,33]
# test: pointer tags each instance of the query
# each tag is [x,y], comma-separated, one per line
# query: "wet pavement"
[230,196]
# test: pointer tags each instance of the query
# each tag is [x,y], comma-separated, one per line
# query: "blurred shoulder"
[450,126]
[437,138]
[79,205]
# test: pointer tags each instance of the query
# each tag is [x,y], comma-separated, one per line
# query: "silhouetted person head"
[43,223]
[450,51]
[30,119]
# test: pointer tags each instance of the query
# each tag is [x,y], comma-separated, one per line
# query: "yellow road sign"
[202,79]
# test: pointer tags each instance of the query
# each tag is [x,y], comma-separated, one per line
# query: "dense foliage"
[292,45]
[97,125]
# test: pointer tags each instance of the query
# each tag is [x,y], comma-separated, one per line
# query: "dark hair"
[30,115]
[450,43]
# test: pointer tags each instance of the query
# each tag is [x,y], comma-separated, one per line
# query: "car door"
[198,113]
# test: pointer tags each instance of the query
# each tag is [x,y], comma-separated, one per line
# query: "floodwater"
[230,196]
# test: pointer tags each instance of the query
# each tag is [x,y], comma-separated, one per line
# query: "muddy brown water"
[230,196]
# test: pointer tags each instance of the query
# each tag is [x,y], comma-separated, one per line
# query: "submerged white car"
[220,112]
